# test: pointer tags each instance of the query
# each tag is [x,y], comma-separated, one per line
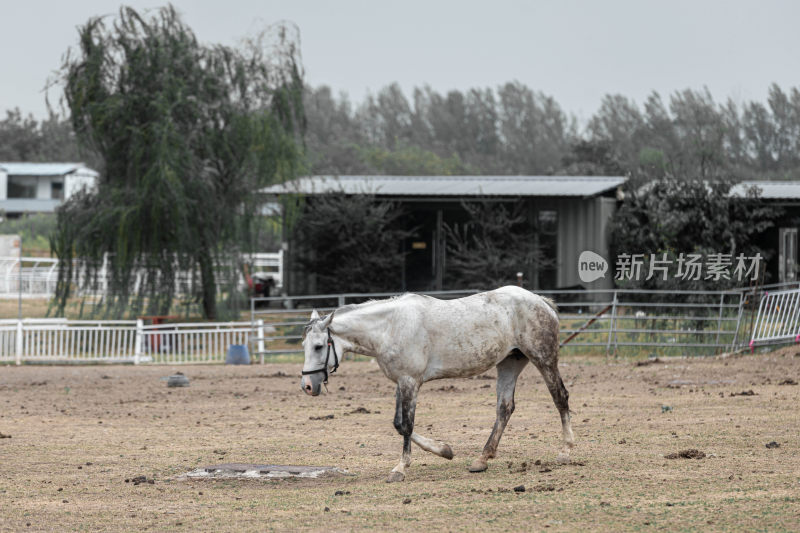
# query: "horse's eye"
[318,346]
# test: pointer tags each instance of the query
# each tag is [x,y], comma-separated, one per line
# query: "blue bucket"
[237,355]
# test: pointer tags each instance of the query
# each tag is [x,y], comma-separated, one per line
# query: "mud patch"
[255,471]
[686,454]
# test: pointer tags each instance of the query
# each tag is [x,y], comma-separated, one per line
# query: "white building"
[41,187]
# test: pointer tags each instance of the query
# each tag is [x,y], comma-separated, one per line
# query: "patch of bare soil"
[80,432]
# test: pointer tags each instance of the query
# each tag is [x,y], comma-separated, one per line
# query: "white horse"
[417,338]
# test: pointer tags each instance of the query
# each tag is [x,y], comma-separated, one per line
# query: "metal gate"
[778,318]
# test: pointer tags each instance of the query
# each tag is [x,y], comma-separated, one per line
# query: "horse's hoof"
[395,476]
[447,452]
[563,459]
[478,465]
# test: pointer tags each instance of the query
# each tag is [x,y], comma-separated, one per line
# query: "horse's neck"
[361,329]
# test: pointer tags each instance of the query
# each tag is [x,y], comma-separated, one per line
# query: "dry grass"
[31,307]
[125,422]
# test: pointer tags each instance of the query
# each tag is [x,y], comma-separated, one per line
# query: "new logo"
[591,266]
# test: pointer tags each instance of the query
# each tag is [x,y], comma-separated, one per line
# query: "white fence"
[118,341]
[196,342]
[778,318]
[37,276]
[671,321]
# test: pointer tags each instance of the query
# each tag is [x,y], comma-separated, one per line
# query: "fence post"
[719,321]
[261,339]
[612,325]
[738,320]
[19,342]
[137,350]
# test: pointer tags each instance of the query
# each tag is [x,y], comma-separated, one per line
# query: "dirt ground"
[77,433]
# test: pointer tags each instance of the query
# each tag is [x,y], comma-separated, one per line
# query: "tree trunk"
[208,284]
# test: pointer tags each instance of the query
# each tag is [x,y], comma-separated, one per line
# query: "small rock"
[744,393]
[789,381]
[666,408]
[323,417]
[4,436]
[327,509]
[773,444]
[406,501]
[519,488]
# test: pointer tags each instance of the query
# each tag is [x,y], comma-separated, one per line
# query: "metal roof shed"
[453,186]
[571,212]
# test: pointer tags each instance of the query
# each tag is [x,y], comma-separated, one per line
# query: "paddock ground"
[78,432]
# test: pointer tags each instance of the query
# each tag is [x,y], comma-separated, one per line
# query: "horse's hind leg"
[552,377]
[507,372]
[406,399]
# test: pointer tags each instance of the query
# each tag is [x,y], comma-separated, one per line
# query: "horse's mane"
[356,307]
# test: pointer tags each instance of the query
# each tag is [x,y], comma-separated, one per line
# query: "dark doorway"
[420,273]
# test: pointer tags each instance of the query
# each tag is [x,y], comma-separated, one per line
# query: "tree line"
[516,130]
[509,130]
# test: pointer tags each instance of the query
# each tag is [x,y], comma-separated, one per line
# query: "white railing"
[37,276]
[778,318]
[59,340]
[195,342]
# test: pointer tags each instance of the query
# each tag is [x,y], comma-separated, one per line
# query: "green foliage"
[675,216]
[35,231]
[350,243]
[187,134]
[26,139]
[591,158]
[489,250]
[515,130]
[413,161]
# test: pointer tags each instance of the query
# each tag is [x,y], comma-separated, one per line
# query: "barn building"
[570,213]
[27,188]
[781,240]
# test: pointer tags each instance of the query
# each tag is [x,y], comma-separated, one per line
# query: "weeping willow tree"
[187,133]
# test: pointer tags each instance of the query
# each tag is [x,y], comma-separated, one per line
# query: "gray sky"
[576,51]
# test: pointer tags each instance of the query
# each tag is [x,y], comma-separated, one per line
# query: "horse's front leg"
[406,405]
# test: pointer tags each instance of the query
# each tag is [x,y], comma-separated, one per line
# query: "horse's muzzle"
[310,388]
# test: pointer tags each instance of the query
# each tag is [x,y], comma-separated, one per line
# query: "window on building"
[787,255]
[57,190]
[21,187]
[548,244]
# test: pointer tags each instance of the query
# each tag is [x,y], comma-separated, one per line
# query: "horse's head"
[321,357]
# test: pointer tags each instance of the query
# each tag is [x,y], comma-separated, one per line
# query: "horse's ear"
[327,322]
[314,315]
